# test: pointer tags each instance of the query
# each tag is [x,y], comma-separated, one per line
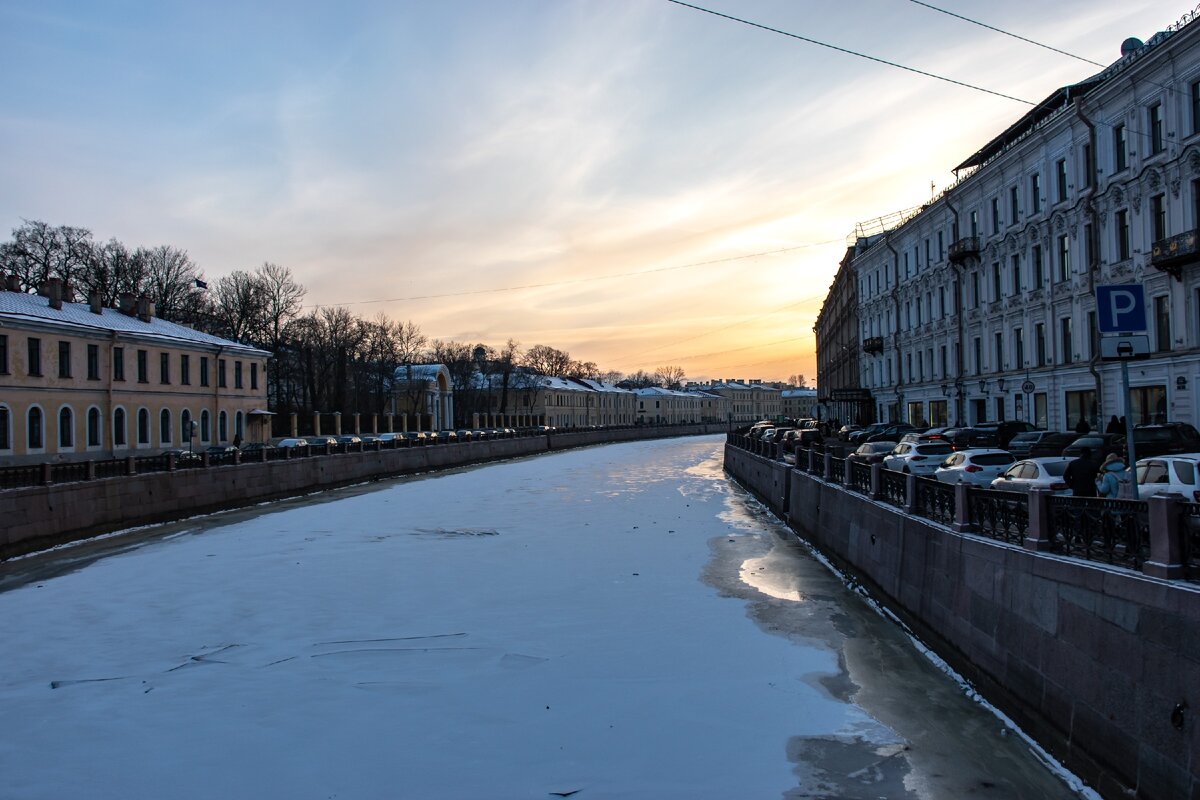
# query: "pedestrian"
[1108,481]
[1080,474]
[1083,429]
[1114,425]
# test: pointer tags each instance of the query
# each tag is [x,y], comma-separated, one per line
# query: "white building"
[980,305]
[798,403]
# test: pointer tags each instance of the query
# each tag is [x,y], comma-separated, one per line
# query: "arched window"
[185,426]
[6,438]
[119,427]
[237,426]
[95,436]
[66,428]
[222,427]
[37,435]
[164,426]
[143,426]
[204,432]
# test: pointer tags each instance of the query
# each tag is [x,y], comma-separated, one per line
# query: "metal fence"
[999,515]
[837,469]
[935,500]
[893,488]
[860,477]
[1112,531]
[1190,526]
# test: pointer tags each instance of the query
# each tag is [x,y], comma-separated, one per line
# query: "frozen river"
[619,621]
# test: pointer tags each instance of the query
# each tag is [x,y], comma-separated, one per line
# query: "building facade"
[80,382]
[982,306]
[839,389]
[799,403]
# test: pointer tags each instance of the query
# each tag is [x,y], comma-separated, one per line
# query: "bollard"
[47,474]
[91,470]
[1166,537]
[170,462]
[827,470]
[1038,536]
[962,507]
[877,481]
[130,465]
[847,472]
[912,496]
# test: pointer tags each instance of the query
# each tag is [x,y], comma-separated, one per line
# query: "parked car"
[185,458]
[320,441]
[255,447]
[916,457]
[980,466]
[445,436]
[871,452]
[417,437]
[845,431]
[1173,474]
[221,450]
[1004,430]
[348,439]
[1022,443]
[291,443]
[891,433]
[1165,439]
[1101,444]
[970,438]
[1052,444]
[861,435]
[926,436]
[388,437]
[1035,473]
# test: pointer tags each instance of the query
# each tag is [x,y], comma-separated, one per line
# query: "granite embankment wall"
[37,517]
[1101,665]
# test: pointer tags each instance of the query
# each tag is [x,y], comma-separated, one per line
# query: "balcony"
[873,344]
[1172,254]
[963,249]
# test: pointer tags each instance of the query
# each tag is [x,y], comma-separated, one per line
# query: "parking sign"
[1121,308]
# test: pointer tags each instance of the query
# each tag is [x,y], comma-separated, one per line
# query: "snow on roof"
[19,306]
[420,372]
[601,386]
[799,392]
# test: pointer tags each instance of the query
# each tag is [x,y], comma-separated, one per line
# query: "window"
[1060,173]
[93,362]
[1195,91]
[1039,332]
[3,353]
[1018,348]
[237,374]
[143,426]
[143,368]
[1158,217]
[185,426]
[164,426]
[975,298]
[93,427]
[64,359]
[998,341]
[204,437]
[995,281]
[1155,115]
[36,436]
[237,426]
[974,222]
[1087,165]
[995,215]
[221,373]
[222,427]
[185,370]
[1016,274]
[204,370]
[1064,258]
[1120,149]
[254,376]
[118,356]
[66,428]
[1035,193]
[941,246]
[5,423]
[1039,277]
[1067,346]
[1014,205]
[978,355]
[34,348]
[164,367]
[1162,323]
[1122,225]
[119,427]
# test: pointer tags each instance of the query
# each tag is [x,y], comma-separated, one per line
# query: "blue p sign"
[1121,308]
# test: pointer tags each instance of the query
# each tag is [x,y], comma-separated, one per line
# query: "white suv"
[979,467]
[916,457]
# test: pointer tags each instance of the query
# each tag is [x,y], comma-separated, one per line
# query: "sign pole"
[1132,460]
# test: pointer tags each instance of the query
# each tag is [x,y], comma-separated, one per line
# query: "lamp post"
[192,426]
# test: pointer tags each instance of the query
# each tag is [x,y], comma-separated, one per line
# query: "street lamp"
[983,386]
[192,427]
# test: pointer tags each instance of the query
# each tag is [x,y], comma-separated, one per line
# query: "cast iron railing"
[1190,529]
[837,469]
[935,500]
[860,477]
[894,487]
[999,515]
[1112,531]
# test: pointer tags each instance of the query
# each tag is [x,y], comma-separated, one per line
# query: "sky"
[636,182]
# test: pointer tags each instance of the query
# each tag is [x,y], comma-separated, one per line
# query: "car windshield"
[934,449]
[1154,434]
[992,459]
[1026,437]
[881,447]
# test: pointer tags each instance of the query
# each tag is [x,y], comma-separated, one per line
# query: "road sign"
[1027,387]
[1124,348]
[1121,308]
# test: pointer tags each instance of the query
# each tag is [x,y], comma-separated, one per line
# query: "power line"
[569,281]
[853,53]
[1007,33]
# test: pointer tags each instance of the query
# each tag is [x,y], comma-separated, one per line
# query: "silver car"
[1035,473]
[979,466]
[916,457]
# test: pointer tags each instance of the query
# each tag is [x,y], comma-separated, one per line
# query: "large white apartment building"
[980,305]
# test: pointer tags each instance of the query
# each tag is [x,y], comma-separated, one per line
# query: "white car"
[1035,473]
[917,457]
[1178,474]
[979,467]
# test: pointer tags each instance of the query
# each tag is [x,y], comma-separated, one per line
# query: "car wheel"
[906,470]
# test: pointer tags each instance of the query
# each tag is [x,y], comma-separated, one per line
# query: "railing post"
[91,470]
[827,471]
[262,455]
[812,460]
[847,471]
[205,460]
[170,462]
[912,498]
[237,456]
[1166,537]
[962,507]
[1039,536]
[877,481]
[130,465]
[47,473]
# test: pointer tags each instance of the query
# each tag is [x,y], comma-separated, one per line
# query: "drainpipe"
[896,336]
[958,316]
[1093,266]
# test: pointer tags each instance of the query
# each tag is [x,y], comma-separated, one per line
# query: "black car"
[1052,444]
[871,452]
[892,433]
[1004,431]
[1168,438]
[1101,444]
[970,438]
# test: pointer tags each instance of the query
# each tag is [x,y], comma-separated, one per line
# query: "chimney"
[145,309]
[54,288]
[68,291]
[94,303]
[126,304]
[13,283]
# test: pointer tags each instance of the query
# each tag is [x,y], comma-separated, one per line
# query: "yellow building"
[81,382]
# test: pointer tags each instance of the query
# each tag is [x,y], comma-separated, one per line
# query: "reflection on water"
[758,574]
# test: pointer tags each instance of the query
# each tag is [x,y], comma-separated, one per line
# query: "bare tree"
[638,380]
[546,360]
[39,251]
[239,305]
[173,283]
[112,270]
[670,377]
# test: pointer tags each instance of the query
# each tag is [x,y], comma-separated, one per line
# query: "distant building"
[422,397]
[839,390]
[799,403]
[748,400]
[81,382]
